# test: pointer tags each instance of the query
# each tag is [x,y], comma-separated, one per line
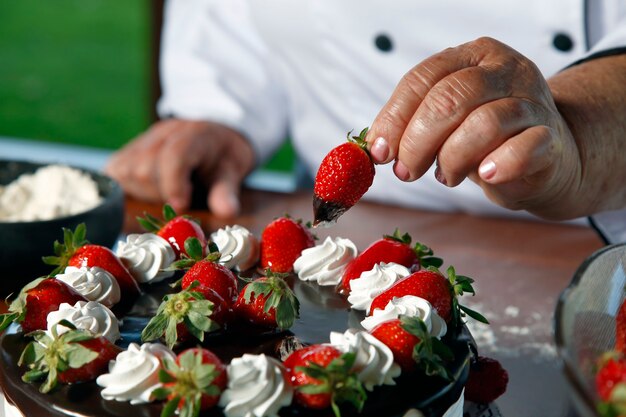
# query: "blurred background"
[82,72]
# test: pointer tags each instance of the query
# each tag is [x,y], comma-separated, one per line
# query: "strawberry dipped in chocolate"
[173,228]
[344,175]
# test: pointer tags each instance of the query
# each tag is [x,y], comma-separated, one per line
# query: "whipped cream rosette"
[257,387]
[374,360]
[371,283]
[408,305]
[134,373]
[90,315]
[238,246]
[146,255]
[325,263]
[93,283]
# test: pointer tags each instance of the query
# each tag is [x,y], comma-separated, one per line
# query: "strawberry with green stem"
[173,228]
[71,357]
[190,312]
[344,175]
[394,248]
[268,301]
[441,292]
[323,377]
[38,298]
[413,346]
[192,383]
[76,251]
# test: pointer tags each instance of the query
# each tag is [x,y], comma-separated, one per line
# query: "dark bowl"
[585,322]
[23,244]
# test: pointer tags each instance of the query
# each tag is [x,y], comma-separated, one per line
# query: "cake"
[326,317]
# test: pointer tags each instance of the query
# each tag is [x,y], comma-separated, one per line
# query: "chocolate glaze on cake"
[321,311]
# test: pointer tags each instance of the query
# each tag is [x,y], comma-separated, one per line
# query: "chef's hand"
[483,111]
[157,165]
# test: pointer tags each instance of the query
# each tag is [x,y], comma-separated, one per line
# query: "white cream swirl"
[146,255]
[371,283]
[238,246]
[87,315]
[325,263]
[374,360]
[408,305]
[134,373]
[257,386]
[93,283]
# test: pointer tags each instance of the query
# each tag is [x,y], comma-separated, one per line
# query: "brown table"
[520,268]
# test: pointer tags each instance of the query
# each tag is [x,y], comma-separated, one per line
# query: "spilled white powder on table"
[50,192]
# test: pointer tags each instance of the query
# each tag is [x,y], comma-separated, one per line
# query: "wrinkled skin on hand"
[157,165]
[482,111]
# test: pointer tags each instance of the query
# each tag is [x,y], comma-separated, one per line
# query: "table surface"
[520,267]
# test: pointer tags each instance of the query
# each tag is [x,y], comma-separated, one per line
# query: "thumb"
[223,196]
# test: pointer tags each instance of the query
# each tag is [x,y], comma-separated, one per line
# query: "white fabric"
[311,69]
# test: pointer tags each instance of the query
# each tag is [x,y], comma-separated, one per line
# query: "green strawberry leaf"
[194,249]
[474,314]
[79,355]
[168,212]
[171,333]
[155,328]
[170,407]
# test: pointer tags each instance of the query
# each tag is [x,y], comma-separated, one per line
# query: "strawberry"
[192,383]
[390,248]
[173,228]
[195,310]
[36,300]
[323,377]
[611,384]
[207,270]
[74,356]
[282,242]
[432,286]
[487,380]
[76,251]
[344,175]
[413,347]
[620,329]
[268,301]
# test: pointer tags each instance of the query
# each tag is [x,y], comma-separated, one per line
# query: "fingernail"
[380,150]
[401,171]
[440,177]
[487,170]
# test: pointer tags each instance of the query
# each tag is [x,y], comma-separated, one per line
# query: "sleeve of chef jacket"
[611,226]
[215,67]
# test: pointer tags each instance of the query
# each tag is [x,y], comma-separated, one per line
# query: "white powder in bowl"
[50,192]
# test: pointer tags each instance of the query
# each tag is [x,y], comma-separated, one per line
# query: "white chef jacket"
[314,70]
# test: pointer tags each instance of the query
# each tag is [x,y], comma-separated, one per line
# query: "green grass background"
[76,71]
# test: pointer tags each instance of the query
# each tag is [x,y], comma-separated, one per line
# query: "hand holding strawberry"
[268,301]
[173,228]
[323,377]
[191,384]
[344,175]
[73,356]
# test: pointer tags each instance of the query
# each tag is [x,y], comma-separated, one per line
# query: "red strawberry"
[413,347]
[191,384]
[344,175]
[323,376]
[36,300]
[432,286]
[620,329]
[173,228]
[487,380]
[207,271]
[74,356]
[282,242]
[75,251]
[390,248]
[268,301]
[195,310]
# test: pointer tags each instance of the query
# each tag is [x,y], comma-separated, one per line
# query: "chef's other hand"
[157,166]
[483,111]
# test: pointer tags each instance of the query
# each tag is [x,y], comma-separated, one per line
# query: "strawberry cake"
[233,325]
